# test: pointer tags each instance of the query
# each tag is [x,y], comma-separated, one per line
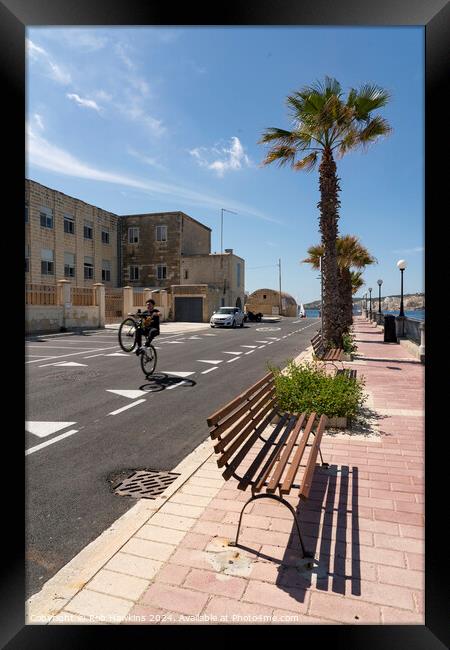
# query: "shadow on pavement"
[160,381]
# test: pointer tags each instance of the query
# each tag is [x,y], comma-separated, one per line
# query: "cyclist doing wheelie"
[150,326]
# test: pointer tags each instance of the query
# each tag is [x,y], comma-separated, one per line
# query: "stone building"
[267,301]
[154,244]
[68,238]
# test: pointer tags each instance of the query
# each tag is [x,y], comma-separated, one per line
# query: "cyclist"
[150,326]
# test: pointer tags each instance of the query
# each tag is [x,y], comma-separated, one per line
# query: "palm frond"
[307,163]
[280,154]
[369,98]
[377,127]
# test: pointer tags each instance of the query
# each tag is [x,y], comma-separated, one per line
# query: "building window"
[27,258]
[26,213]
[134,273]
[264,296]
[161,233]
[88,230]
[105,236]
[47,263]
[238,274]
[88,268]
[133,235]
[106,271]
[46,218]
[162,271]
[69,265]
[186,274]
[69,224]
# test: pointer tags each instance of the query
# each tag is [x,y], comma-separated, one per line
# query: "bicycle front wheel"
[127,334]
[148,360]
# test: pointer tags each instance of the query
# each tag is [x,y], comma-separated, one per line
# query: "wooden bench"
[331,355]
[237,428]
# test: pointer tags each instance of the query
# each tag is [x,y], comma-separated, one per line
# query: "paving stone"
[101,606]
[185,601]
[118,584]
[172,574]
[343,610]
[133,565]
[160,534]
[215,583]
[149,549]
[172,521]
[289,598]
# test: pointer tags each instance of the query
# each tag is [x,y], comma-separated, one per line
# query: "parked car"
[227,317]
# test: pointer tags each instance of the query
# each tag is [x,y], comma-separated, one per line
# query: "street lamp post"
[379,282]
[401,264]
[370,303]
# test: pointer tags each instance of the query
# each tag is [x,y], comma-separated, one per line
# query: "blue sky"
[156,119]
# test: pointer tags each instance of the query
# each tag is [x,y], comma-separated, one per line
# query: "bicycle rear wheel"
[148,360]
[127,334]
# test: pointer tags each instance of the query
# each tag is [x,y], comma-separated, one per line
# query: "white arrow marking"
[43,429]
[210,361]
[132,394]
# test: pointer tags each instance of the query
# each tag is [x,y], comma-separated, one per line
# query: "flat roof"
[170,212]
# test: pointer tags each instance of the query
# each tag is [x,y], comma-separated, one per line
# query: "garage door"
[189,310]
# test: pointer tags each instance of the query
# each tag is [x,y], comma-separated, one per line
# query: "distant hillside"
[410,301]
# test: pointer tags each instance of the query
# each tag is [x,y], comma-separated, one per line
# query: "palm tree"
[349,253]
[326,124]
[357,281]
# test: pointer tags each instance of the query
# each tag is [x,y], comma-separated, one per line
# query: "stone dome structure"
[267,301]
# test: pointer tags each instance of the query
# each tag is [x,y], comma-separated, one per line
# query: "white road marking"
[261,346]
[129,406]
[249,352]
[273,338]
[65,364]
[237,358]
[193,338]
[43,429]
[205,372]
[168,342]
[249,346]
[176,385]
[131,394]
[117,354]
[260,341]
[95,355]
[31,450]
[177,373]
[233,352]
[73,354]
[209,334]
[62,347]
[210,361]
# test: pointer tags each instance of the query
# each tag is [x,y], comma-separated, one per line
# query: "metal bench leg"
[306,554]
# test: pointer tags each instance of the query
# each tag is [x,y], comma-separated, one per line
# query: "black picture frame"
[433,15]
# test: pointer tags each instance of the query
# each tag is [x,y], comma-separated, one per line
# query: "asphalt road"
[81,435]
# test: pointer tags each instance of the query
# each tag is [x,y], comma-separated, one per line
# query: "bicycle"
[128,338]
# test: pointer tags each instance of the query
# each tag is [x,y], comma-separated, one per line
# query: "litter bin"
[390,334]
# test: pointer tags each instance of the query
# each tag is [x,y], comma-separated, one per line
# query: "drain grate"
[145,484]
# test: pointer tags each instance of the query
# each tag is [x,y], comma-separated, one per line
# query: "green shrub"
[348,343]
[307,387]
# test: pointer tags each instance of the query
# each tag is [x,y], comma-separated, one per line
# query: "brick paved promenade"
[364,521]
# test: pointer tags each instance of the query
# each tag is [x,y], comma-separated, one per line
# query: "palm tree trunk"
[329,214]
[347,291]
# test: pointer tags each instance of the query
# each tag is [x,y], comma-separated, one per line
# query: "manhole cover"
[145,484]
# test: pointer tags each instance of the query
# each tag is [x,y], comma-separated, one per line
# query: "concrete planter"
[338,423]
[347,356]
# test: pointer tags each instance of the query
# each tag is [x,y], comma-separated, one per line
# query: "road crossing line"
[128,406]
[31,450]
[205,372]
[237,358]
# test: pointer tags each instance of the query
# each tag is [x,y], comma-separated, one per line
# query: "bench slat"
[273,483]
[248,429]
[268,446]
[289,479]
[265,392]
[275,455]
[218,415]
[254,416]
[311,464]
[243,451]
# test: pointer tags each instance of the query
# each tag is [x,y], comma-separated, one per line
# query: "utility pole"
[221,227]
[279,276]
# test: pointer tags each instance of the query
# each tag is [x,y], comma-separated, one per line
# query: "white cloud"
[145,159]
[41,153]
[38,121]
[232,157]
[56,72]
[416,249]
[87,103]
[120,49]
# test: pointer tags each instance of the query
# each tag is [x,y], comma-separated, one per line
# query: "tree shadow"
[161,381]
[359,357]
